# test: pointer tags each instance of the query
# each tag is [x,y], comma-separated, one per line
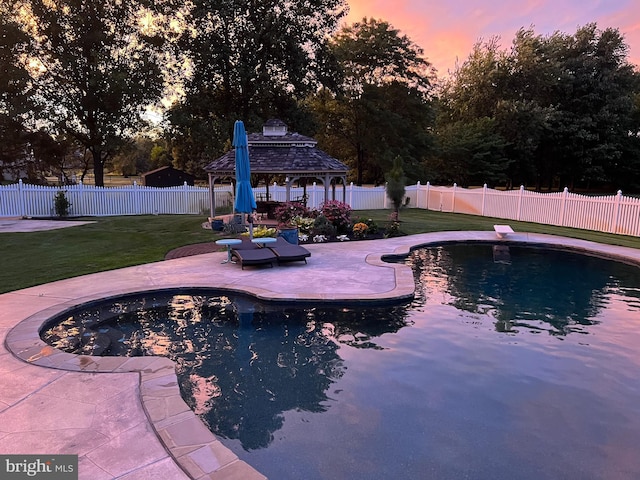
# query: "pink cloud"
[448,30]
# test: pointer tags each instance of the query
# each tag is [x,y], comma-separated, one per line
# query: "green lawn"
[114,242]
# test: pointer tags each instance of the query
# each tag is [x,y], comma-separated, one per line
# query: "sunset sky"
[447,30]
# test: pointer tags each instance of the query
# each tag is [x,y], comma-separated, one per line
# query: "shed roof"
[167,168]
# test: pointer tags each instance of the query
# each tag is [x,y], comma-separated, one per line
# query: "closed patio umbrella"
[245,201]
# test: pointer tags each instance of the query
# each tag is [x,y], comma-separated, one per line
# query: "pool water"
[510,363]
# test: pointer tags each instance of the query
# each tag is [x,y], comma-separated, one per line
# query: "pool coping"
[189,442]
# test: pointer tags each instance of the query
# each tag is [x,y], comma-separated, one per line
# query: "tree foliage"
[378,105]
[94,67]
[469,153]
[252,60]
[563,105]
[15,97]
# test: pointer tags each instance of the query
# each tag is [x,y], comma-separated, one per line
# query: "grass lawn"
[113,242]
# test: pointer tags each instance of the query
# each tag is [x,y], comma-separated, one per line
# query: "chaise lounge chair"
[288,252]
[248,253]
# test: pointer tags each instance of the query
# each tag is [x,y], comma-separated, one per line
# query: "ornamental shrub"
[360,230]
[322,226]
[372,226]
[286,212]
[262,232]
[304,224]
[338,214]
[61,203]
[393,229]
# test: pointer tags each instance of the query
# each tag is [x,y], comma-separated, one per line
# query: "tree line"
[79,79]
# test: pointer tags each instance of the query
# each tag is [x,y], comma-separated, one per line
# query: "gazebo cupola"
[274,128]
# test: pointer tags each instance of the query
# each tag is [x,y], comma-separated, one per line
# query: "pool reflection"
[274,361]
[241,363]
[524,289]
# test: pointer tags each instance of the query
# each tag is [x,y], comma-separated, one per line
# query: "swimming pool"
[506,362]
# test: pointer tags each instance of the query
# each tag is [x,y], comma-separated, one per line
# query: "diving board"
[502,230]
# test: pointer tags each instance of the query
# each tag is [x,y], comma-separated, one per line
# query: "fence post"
[136,198]
[520,202]
[418,194]
[484,196]
[428,187]
[79,199]
[616,213]
[21,199]
[453,198]
[351,194]
[563,205]
[384,202]
[185,196]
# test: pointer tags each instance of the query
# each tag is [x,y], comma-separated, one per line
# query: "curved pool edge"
[188,441]
[192,446]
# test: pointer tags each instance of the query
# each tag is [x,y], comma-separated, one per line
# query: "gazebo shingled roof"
[278,152]
[280,160]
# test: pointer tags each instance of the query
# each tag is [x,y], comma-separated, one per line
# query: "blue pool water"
[518,363]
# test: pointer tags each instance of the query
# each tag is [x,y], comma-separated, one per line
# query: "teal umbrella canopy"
[245,201]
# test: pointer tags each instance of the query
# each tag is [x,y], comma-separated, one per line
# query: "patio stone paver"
[128,451]
[124,417]
[36,415]
[62,441]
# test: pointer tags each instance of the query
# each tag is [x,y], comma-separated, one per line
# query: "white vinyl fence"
[613,214]
[87,200]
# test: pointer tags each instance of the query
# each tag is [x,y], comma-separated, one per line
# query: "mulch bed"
[195,249]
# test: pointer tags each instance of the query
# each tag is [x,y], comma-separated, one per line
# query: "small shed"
[276,151]
[166,177]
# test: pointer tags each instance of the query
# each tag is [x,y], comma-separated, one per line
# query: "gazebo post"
[326,181]
[287,187]
[212,196]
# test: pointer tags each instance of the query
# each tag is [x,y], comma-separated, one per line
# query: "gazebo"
[277,152]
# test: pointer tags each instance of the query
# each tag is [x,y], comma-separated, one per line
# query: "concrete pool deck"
[124,417]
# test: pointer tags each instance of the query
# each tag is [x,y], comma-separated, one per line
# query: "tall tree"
[95,67]
[252,60]
[15,97]
[476,87]
[378,106]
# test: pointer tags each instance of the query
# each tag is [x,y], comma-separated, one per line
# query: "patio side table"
[261,242]
[228,242]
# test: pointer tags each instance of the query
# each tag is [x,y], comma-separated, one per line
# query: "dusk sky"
[447,30]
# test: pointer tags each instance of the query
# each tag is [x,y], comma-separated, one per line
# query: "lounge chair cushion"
[246,244]
[288,252]
[253,256]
